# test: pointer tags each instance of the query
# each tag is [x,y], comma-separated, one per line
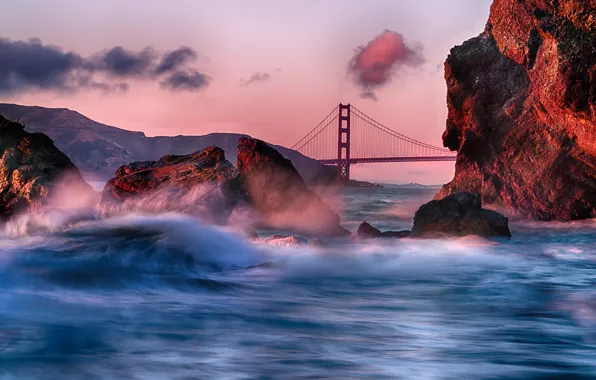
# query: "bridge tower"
[343,143]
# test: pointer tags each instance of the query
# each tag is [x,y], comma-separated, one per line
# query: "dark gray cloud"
[87,81]
[368,94]
[29,63]
[186,80]
[175,59]
[31,66]
[374,65]
[124,63]
[256,77]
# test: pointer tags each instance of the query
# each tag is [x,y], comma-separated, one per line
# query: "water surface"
[166,297]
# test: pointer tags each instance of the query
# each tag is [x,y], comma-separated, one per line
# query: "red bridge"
[347,136]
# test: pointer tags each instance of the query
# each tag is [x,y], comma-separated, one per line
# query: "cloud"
[368,94]
[124,63]
[256,77]
[375,64]
[175,59]
[32,66]
[29,63]
[416,172]
[186,80]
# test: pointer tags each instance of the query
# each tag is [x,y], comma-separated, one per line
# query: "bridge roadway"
[335,161]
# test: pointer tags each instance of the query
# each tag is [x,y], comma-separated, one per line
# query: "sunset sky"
[269,68]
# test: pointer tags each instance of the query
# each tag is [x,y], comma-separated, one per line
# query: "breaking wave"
[126,249]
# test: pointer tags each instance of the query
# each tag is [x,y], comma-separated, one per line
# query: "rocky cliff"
[522,109]
[33,171]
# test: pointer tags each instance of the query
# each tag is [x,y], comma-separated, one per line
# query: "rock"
[293,240]
[396,234]
[33,171]
[366,231]
[459,214]
[279,192]
[286,241]
[522,109]
[202,183]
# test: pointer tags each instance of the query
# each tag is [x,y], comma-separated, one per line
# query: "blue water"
[166,297]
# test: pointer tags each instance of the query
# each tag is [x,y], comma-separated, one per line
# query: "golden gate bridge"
[347,136]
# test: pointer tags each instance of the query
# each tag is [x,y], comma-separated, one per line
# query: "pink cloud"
[374,64]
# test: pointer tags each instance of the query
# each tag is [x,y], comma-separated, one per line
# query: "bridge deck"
[390,159]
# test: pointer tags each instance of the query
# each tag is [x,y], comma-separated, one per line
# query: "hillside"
[98,149]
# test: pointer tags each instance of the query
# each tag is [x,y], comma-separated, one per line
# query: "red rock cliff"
[522,109]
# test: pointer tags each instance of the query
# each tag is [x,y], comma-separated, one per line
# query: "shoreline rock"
[366,231]
[277,190]
[34,173]
[522,110]
[202,183]
[459,214]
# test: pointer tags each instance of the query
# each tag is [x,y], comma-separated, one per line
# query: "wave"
[127,249]
[50,220]
[396,259]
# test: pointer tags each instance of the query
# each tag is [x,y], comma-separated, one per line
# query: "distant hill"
[413,185]
[98,149]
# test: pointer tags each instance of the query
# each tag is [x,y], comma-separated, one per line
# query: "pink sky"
[305,47]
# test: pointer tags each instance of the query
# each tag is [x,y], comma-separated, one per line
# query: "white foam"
[208,244]
[404,258]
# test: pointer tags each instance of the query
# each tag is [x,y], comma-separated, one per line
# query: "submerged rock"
[366,231]
[279,192]
[522,109]
[294,240]
[203,182]
[286,240]
[459,214]
[33,172]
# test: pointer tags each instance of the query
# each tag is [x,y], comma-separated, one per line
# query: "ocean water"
[167,297]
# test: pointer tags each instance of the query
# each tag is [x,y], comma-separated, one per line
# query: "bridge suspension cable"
[375,124]
[349,136]
[313,143]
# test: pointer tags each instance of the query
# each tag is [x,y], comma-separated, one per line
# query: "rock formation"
[459,214]
[279,192]
[522,109]
[202,183]
[33,171]
[366,231]
[286,241]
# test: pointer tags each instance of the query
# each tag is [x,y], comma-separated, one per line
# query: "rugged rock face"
[522,109]
[366,231]
[32,171]
[459,214]
[279,192]
[203,183]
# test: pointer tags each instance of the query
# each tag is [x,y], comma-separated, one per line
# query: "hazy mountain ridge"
[99,149]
